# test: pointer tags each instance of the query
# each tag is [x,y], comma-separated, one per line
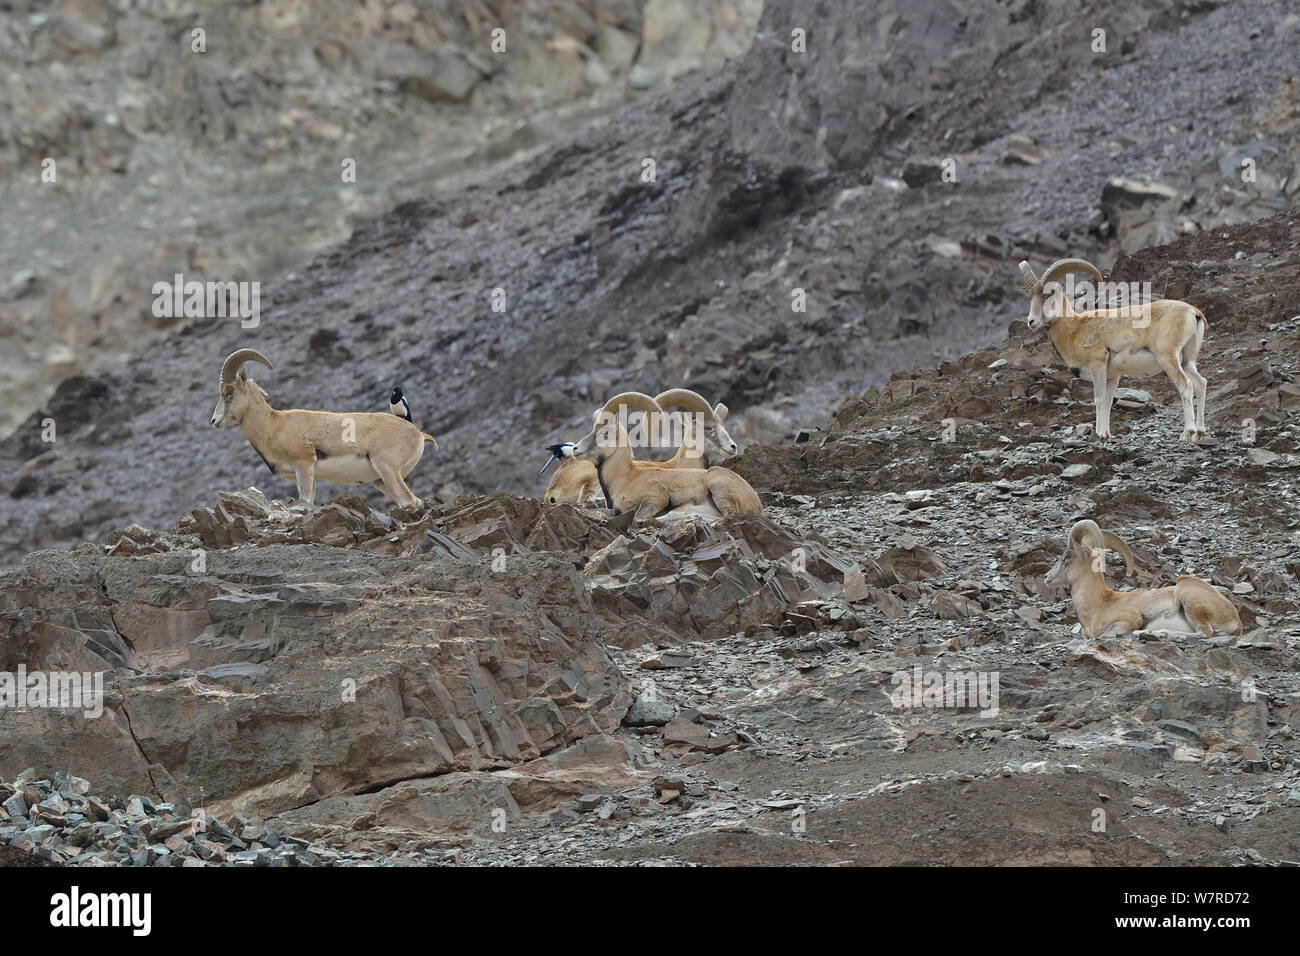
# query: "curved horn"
[683,398]
[1086,531]
[1031,283]
[633,400]
[1061,266]
[1114,542]
[238,358]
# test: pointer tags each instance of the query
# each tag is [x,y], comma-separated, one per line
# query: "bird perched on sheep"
[573,482]
[645,487]
[302,445]
[398,405]
[704,441]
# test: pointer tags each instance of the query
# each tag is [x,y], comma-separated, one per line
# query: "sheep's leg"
[1099,377]
[1112,383]
[1200,382]
[1121,622]
[1200,618]
[393,485]
[305,476]
[1190,352]
[649,508]
[1183,383]
[1205,609]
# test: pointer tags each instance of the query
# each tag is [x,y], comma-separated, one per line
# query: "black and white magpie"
[557,452]
[397,404]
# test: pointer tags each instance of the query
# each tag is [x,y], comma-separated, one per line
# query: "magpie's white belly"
[346,470]
[1141,363]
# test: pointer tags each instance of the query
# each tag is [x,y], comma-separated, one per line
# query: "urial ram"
[1190,606]
[648,488]
[1141,339]
[301,446]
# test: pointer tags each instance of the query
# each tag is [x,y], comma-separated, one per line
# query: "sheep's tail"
[430,438]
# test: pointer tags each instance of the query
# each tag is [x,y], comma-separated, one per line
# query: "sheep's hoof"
[1188,436]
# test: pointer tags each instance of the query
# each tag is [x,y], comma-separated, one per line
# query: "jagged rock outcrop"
[260,658]
[280,675]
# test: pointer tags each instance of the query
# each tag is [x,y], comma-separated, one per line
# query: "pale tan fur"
[696,450]
[301,445]
[1145,339]
[705,439]
[646,487]
[1190,606]
[573,483]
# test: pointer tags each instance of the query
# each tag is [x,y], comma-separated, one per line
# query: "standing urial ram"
[647,487]
[1140,339]
[1190,606]
[300,446]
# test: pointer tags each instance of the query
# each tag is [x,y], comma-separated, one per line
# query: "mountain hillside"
[493,681]
[780,171]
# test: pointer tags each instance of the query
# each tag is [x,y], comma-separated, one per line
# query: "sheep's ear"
[720,411]
[595,417]
[242,375]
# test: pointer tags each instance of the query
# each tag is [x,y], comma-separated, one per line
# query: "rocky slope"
[485,680]
[819,171]
[492,681]
[222,156]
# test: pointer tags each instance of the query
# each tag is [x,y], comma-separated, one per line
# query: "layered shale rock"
[281,674]
[261,657]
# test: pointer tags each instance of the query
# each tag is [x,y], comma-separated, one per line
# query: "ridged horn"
[1086,531]
[1031,283]
[684,398]
[633,400]
[1114,542]
[1061,266]
[238,358]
